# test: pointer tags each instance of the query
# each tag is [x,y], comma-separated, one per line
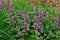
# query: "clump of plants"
[21,21]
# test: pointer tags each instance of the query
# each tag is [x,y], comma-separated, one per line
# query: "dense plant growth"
[22,21]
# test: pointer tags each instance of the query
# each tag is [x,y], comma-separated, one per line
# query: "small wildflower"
[26,12]
[41,13]
[42,19]
[40,30]
[38,12]
[10,6]
[54,19]
[35,26]
[59,16]
[26,19]
[12,18]
[35,19]
[58,26]
[25,26]
[44,14]
[9,2]
[1,5]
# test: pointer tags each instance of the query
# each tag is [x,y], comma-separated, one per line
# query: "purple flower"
[39,12]
[44,14]
[26,12]
[35,26]
[40,30]
[25,26]
[12,17]
[1,5]
[21,36]
[42,19]
[35,19]
[54,19]
[27,19]
[58,26]
[59,16]
[9,3]
[10,9]
[10,6]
